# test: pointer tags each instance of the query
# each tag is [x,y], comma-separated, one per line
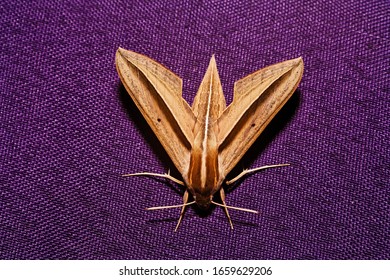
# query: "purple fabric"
[69,129]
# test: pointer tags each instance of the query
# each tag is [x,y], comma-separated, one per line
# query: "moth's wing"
[257,99]
[157,92]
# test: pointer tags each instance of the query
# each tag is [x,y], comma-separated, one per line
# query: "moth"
[206,140]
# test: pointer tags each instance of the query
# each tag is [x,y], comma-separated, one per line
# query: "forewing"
[157,92]
[257,99]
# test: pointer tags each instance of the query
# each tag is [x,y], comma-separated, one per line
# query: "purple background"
[69,129]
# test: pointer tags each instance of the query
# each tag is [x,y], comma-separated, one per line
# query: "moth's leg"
[165,175]
[247,171]
[222,194]
[185,199]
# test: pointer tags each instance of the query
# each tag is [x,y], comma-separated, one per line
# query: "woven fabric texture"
[68,130]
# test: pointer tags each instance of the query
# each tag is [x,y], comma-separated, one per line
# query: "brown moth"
[206,140]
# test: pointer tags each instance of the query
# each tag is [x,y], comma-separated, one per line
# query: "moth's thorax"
[203,178]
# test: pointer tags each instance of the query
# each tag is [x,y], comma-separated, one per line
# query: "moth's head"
[203,201]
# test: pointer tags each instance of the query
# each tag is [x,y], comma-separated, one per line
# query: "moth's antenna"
[172,206]
[248,171]
[235,208]
[166,175]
